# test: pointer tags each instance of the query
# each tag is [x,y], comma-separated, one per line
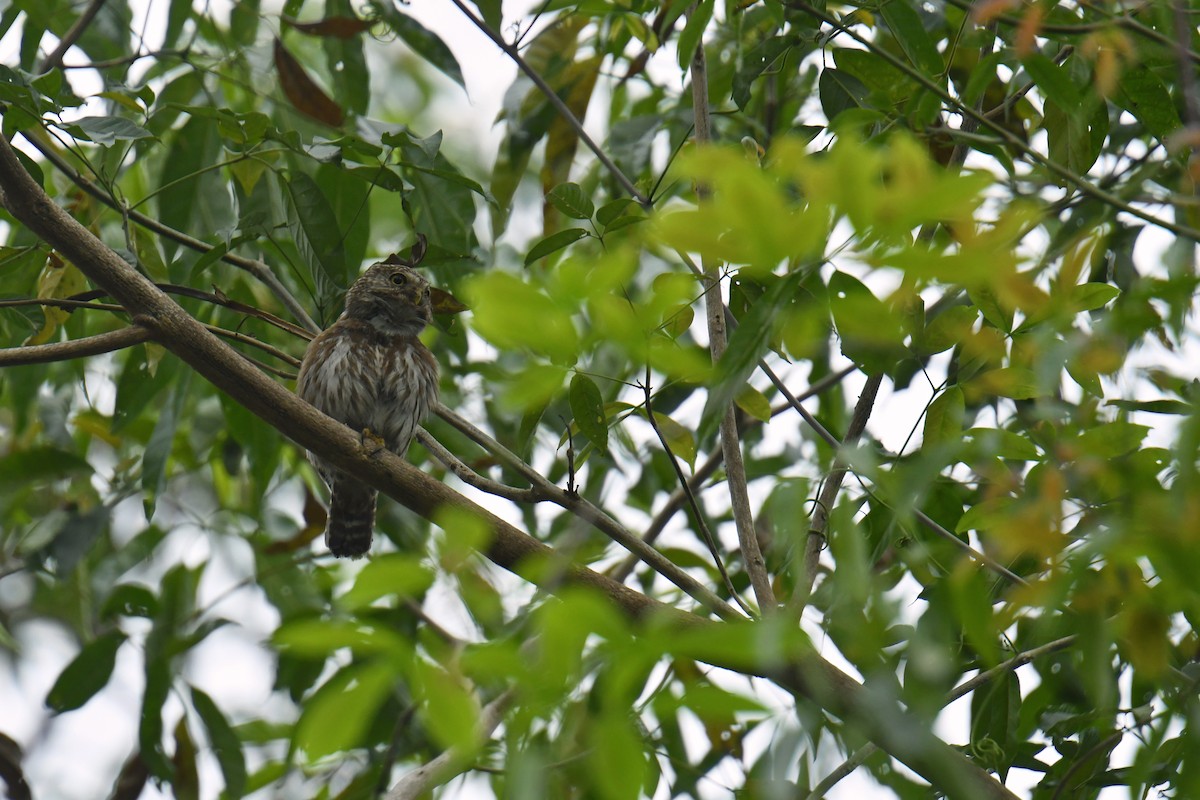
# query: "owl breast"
[370,381]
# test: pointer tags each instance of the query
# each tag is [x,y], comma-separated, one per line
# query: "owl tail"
[351,518]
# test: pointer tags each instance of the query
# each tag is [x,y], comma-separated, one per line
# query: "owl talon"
[371,443]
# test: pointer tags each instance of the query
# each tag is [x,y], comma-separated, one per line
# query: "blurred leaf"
[318,238]
[754,403]
[399,575]
[587,405]
[679,438]
[693,32]
[337,716]
[225,743]
[944,418]
[746,346]
[302,92]
[337,27]
[450,709]
[87,673]
[423,41]
[185,781]
[107,131]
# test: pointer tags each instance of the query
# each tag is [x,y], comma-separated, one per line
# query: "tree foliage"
[866,376]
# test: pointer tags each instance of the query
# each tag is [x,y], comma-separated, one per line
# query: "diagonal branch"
[561,107]
[815,541]
[450,762]
[54,59]
[802,671]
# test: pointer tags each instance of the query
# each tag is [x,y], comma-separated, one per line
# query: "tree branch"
[54,59]
[714,304]
[803,673]
[76,348]
[451,762]
[256,268]
[815,541]
[561,107]
[588,512]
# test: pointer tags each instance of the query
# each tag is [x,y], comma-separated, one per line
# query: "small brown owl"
[370,371]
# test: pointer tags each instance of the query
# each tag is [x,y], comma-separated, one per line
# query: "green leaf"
[693,32]
[1018,383]
[401,575]
[449,708]
[1055,83]
[588,407]
[570,199]
[747,345]
[158,448]
[139,384]
[905,23]
[553,243]
[679,438]
[999,443]
[318,238]
[754,403]
[318,638]
[944,418]
[871,333]
[1091,296]
[150,730]
[225,743]
[423,41]
[1142,93]
[338,715]
[107,131]
[1111,439]
[995,714]
[87,673]
[1154,406]
[840,91]
[984,515]
[947,329]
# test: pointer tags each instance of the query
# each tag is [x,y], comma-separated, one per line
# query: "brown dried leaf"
[335,27]
[306,96]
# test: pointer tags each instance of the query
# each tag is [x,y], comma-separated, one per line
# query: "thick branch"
[76,348]
[806,674]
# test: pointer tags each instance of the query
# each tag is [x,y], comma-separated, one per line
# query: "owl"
[370,371]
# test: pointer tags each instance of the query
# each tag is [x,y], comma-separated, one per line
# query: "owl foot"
[372,443]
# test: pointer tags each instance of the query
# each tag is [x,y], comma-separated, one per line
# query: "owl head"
[392,297]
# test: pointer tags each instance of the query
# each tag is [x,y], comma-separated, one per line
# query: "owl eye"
[397,278]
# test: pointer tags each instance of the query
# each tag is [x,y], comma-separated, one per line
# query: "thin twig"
[54,59]
[595,516]
[815,542]
[860,755]
[731,446]
[556,101]
[76,348]
[678,498]
[256,268]
[471,477]
[697,513]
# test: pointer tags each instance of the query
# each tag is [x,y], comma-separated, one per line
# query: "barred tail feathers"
[351,518]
